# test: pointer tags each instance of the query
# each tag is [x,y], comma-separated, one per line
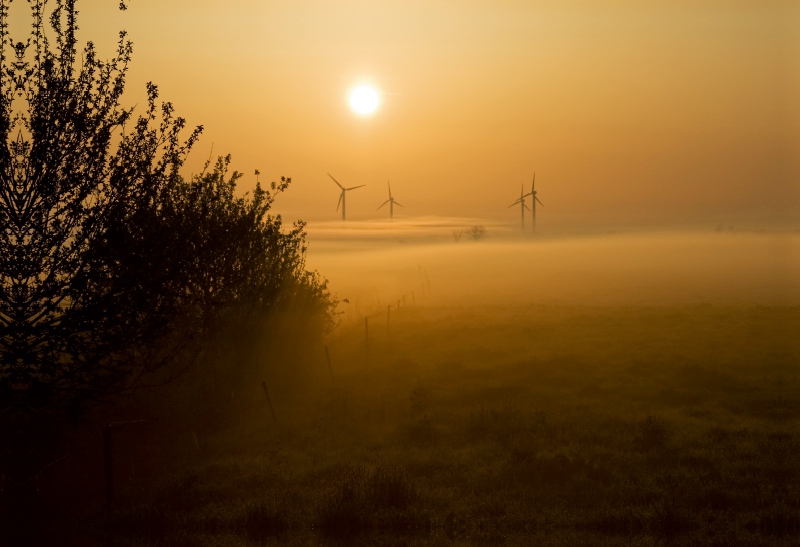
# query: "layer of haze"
[375,264]
[633,114]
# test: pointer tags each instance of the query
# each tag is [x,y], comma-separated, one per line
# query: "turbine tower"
[535,199]
[522,205]
[343,194]
[391,201]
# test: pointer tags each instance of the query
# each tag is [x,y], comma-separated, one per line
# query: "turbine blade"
[382,204]
[397,204]
[540,203]
[510,206]
[528,208]
[354,187]
[340,200]
[533,184]
[390,189]
[336,181]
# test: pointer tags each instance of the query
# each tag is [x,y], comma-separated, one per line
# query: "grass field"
[558,391]
[501,425]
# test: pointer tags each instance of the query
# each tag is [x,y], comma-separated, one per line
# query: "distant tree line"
[113,265]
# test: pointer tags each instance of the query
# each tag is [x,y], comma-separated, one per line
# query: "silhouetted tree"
[85,281]
[244,266]
[111,264]
[476,232]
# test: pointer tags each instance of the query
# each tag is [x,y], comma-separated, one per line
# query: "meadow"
[517,426]
[471,423]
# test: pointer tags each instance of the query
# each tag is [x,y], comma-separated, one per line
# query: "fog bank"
[372,264]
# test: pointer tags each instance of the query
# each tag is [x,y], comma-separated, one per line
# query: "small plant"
[381,499]
[651,434]
[477,232]
[667,518]
[265,519]
[457,235]
[776,521]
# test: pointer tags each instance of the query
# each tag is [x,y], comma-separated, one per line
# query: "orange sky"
[637,113]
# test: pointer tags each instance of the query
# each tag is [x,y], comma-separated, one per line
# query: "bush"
[253,296]
[380,499]
[476,233]
[116,272]
[265,519]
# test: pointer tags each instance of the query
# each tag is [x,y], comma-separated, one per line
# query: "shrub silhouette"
[112,265]
[381,499]
[476,232]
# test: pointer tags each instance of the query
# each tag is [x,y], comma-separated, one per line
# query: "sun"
[364,99]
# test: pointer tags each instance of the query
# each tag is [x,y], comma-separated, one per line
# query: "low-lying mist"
[547,390]
[373,264]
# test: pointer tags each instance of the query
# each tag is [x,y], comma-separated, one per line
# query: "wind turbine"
[523,206]
[535,199]
[391,201]
[343,194]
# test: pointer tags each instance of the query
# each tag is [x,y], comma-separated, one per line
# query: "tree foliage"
[111,264]
[244,266]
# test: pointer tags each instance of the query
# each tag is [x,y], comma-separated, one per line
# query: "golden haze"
[633,113]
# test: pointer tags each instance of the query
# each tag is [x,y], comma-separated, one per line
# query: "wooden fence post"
[269,402]
[328,358]
[366,334]
[196,443]
[108,455]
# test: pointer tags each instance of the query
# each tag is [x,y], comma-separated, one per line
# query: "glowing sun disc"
[364,99]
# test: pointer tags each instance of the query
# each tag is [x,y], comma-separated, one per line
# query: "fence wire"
[381,311]
[357,324]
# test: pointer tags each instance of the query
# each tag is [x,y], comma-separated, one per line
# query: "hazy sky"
[631,112]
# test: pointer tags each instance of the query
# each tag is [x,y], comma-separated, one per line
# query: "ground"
[546,425]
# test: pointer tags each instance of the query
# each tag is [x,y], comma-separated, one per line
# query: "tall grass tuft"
[651,434]
[380,499]
[264,519]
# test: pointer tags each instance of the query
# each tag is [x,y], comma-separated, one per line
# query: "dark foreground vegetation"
[118,273]
[515,426]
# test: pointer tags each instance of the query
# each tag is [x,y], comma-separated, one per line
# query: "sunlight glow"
[364,100]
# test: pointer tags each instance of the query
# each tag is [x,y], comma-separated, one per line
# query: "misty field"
[204,347]
[544,425]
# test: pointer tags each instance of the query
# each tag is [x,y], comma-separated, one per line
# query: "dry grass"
[505,425]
